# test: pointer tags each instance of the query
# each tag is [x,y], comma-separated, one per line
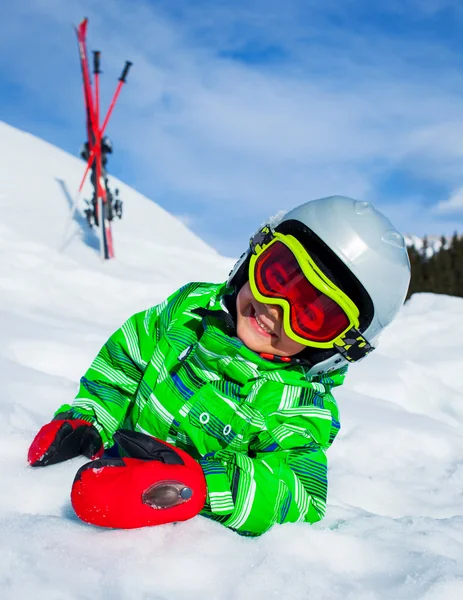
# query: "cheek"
[288,345]
[241,305]
[243,299]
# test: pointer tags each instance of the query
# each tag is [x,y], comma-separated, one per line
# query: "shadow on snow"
[88,235]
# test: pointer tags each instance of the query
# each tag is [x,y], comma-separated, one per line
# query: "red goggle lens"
[313,315]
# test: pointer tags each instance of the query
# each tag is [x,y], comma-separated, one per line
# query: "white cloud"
[452,205]
[241,138]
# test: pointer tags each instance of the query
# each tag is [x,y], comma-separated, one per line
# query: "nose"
[275,312]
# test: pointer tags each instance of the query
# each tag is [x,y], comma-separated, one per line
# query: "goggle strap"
[353,346]
[261,238]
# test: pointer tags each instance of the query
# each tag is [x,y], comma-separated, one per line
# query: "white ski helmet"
[360,250]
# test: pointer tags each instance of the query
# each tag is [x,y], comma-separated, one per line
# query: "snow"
[394,525]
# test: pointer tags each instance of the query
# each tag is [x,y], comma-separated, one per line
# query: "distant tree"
[442,269]
[456,252]
[427,268]
[440,272]
[416,282]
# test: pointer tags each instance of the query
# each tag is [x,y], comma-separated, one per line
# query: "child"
[219,399]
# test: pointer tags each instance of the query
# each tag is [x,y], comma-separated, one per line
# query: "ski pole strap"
[125,70]
[96,61]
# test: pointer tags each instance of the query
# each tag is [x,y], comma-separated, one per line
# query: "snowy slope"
[394,526]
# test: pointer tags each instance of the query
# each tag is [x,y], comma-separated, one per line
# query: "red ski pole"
[122,80]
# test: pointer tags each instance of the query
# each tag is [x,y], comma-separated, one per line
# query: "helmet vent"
[394,238]
[362,208]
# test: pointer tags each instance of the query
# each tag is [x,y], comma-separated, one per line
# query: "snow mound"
[394,525]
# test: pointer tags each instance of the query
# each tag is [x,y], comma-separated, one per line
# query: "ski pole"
[99,134]
[96,73]
[122,80]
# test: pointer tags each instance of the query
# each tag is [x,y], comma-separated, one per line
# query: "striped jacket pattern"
[259,429]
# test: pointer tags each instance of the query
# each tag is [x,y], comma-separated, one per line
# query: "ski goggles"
[316,312]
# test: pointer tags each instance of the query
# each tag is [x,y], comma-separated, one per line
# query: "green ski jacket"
[259,429]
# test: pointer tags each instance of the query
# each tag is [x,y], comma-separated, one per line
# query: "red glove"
[162,484]
[62,439]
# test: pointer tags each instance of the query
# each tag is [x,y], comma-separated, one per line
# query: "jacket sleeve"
[283,477]
[108,389]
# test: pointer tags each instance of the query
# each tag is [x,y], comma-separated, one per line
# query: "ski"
[100,211]
[81,32]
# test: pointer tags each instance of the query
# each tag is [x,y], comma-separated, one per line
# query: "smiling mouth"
[259,325]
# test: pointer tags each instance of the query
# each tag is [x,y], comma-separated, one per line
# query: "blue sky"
[235,110]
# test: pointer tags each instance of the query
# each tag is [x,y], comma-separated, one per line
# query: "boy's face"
[260,326]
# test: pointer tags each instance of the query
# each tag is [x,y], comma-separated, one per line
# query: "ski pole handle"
[122,78]
[125,71]
[96,61]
